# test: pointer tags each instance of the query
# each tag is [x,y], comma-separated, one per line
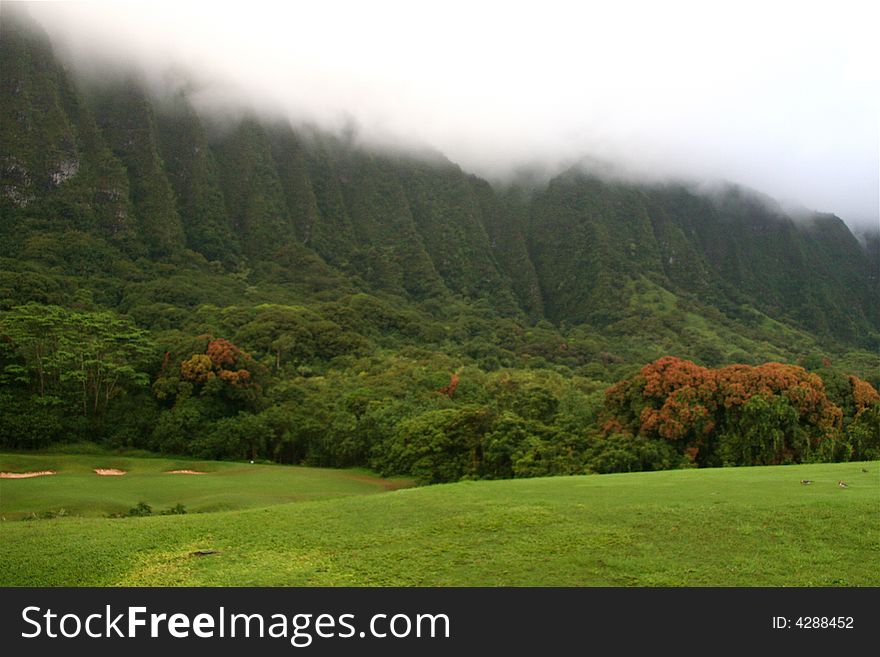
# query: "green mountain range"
[115,198]
[153,178]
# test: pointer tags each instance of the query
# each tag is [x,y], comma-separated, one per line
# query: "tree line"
[74,374]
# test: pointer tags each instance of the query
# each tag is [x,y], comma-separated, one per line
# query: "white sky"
[780,96]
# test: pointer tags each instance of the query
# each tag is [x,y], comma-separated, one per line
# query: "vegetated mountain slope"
[504,218]
[871,241]
[142,176]
[192,169]
[364,222]
[732,248]
[55,165]
[588,240]
[125,116]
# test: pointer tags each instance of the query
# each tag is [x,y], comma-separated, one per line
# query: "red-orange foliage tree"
[221,359]
[863,430]
[863,394]
[213,366]
[677,400]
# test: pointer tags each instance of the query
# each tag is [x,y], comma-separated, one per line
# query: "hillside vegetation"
[242,288]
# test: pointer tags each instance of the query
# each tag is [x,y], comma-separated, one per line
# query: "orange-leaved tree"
[210,366]
[767,413]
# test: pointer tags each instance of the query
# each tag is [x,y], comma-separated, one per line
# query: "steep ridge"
[154,177]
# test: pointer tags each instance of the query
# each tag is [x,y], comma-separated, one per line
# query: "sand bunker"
[185,472]
[25,475]
[109,472]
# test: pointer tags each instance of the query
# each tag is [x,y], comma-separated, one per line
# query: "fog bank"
[781,97]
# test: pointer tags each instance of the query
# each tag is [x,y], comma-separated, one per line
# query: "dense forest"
[242,288]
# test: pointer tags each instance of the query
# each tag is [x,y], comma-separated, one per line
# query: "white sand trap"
[109,472]
[25,475]
[185,472]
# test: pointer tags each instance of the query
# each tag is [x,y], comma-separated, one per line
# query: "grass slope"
[723,527]
[80,492]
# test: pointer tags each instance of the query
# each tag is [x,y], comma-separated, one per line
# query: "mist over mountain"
[152,175]
[782,99]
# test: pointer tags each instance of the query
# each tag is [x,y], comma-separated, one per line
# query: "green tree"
[765,432]
[89,357]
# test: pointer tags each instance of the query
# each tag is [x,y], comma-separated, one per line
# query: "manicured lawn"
[721,527]
[76,489]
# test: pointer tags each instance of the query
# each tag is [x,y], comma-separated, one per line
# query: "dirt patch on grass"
[109,472]
[203,553]
[185,472]
[26,475]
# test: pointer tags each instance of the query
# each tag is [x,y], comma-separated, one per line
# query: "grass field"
[76,489]
[722,527]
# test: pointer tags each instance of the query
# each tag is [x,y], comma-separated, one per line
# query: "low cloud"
[779,97]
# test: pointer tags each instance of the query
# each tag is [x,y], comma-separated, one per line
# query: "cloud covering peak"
[782,97]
